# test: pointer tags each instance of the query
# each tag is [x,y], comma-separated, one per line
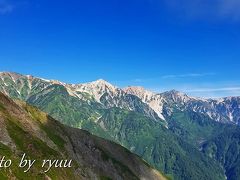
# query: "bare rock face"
[4,138]
[155,101]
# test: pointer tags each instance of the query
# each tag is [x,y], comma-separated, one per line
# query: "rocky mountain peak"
[140,92]
[176,96]
[102,83]
[175,92]
[12,75]
[96,88]
[58,82]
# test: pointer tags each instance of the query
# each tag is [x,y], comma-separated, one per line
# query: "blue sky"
[191,46]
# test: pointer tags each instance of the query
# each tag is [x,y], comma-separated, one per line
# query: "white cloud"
[187,75]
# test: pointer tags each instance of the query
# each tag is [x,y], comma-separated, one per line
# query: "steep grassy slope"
[159,146]
[217,141]
[195,128]
[24,129]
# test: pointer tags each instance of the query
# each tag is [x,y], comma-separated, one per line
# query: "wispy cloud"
[208,92]
[189,75]
[214,89]
[229,8]
[138,80]
[207,89]
[6,7]
[206,8]
[214,92]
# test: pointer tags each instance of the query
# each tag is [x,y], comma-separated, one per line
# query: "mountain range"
[185,137]
[155,105]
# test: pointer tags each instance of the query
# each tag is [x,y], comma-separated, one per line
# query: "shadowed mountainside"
[25,129]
